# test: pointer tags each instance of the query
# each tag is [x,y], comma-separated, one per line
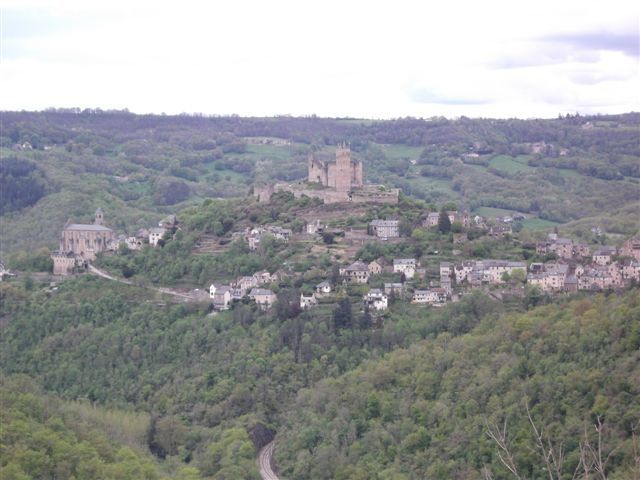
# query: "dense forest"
[140,167]
[215,388]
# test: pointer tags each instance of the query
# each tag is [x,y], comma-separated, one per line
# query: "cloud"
[625,42]
[434,96]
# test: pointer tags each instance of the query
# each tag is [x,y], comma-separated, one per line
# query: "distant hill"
[141,167]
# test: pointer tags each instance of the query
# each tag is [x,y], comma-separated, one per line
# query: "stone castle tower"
[343,173]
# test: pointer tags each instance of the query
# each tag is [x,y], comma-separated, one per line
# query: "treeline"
[610,133]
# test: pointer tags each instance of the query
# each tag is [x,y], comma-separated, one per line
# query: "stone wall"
[62,264]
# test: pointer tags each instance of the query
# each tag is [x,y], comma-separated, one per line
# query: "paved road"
[264,462]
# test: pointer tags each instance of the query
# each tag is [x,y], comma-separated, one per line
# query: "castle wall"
[317,171]
[62,264]
[264,193]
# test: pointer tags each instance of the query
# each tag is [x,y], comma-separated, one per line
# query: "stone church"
[79,243]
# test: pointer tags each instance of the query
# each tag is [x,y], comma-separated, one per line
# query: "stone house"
[384,228]
[264,277]
[581,250]
[551,278]
[462,271]
[406,266]
[500,230]
[263,297]
[431,220]
[374,268]
[307,301]
[604,255]
[376,299]
[631,248]
[631,270]
[246,282]
[595,278]
[431,296]
[357,272]
[323,288]
[396,289]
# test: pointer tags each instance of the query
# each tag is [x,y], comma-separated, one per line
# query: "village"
[572,266]
[568,266]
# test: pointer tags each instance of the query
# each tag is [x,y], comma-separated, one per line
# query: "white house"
[376,299]
[220,296]
[155,234]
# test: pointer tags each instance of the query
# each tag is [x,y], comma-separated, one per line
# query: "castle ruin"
[343,173]
[341,180]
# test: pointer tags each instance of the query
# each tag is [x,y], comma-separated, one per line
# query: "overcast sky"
[330,58]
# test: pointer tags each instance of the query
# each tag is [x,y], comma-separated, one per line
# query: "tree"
[444,224]
[342,315]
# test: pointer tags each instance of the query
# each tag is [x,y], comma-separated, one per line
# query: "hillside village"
[571,266]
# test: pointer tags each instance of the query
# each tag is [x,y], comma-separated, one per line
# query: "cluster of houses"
[151,236]
[254,235]
[251,286]
[578,269]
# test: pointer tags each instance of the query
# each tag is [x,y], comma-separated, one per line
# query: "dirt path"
[264,462]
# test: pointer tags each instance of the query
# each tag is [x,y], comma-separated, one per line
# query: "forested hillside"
[140,167]
[215,388]
[425,412]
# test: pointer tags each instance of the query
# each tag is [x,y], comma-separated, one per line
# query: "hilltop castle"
[343,173]
[342,179]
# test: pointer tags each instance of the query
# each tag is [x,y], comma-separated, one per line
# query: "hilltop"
[65,163]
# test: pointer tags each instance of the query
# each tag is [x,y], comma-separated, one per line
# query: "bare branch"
[505,456]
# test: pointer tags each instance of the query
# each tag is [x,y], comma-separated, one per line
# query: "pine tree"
[444,224]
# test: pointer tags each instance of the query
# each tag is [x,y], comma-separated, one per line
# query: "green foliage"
[42,437]
[423,412]
[32,261]
[22,184]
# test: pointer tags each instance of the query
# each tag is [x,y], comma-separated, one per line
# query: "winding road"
[264,462]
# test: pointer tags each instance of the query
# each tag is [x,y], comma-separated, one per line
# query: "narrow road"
[168,291]
[264,462]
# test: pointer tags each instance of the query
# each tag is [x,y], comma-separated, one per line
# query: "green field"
[401,151]
[492,212]
[508,164]
[538,224]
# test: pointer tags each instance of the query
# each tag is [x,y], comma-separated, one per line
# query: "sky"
[363,59]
